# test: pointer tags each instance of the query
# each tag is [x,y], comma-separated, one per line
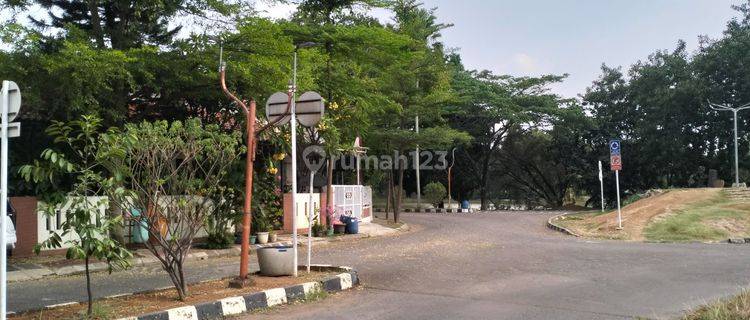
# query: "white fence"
[49,224]
[303,203]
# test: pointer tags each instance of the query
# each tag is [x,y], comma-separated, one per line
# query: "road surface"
[478,266]
[510,266]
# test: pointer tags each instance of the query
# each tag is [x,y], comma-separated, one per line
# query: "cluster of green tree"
[130,60]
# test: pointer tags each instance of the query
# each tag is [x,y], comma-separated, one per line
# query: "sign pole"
[416,168]
[601,184]
[4,201]
[294,164]
[615,164]
[310,212]
[619,214]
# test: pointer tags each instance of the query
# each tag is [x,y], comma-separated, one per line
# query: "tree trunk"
[88,287]
[485,176]
[329,193]
[389,194]
[397,212]
[96,25]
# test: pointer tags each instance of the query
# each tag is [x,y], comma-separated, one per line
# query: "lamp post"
[722,107]
[243,279]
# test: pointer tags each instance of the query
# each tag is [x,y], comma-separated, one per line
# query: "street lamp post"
[721,107]
[250,119]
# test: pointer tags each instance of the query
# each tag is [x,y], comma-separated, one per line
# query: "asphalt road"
[509,266]
[478,266]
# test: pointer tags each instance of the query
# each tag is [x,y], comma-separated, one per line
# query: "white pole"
[356,156]
[4,201]
[619,214]
[736,157]
[416,167]
[310,212]
[601,183]
[294,163]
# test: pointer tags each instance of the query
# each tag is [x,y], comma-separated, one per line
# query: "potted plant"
[252,239]
[317,229]
[272,236]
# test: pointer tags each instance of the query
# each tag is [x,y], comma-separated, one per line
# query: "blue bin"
[352,224]
[352,227]
[465,204]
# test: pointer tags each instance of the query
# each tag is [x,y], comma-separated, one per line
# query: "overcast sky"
[532,37]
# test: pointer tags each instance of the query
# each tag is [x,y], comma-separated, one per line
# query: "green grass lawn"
[712,220]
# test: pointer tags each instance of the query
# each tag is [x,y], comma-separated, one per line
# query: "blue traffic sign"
[614,147]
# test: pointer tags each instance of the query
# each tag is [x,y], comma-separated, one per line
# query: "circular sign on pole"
[310,108]
[276,107]
[14,99]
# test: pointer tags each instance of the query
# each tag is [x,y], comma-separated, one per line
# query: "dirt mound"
[636,216]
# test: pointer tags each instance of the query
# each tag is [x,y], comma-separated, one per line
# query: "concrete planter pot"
[262,237]
[276,261]
[272,237]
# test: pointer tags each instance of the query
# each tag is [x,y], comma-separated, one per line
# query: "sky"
[534,37]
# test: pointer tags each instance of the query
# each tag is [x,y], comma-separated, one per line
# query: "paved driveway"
[509,266]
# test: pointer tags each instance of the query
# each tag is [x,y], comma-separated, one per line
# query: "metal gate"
[354,201]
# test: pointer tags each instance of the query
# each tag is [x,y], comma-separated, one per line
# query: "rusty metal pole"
[247,209]
[243,280]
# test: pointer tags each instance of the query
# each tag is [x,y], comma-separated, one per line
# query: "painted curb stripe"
[346,280]
[311,287]
[209,310]
[162,315]
[183,313]
[295,292]
[233,305]
[267,298]
[332,284]
[275,296]
[256,300]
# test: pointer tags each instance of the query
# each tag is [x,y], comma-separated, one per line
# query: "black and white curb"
[432,210]
[257,300]
[551,224]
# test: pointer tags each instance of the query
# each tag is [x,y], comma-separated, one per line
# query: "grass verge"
[715,219]
[734,308]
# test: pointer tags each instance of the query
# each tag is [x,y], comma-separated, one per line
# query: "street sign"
[615,162]
[14,100]
[276,107]
[614,147]
[309,109]
[615,159]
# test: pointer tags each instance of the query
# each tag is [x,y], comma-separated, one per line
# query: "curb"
[257,300]
[39,273]
[553,226]
[433,210]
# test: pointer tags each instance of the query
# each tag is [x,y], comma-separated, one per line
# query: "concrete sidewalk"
[29,270]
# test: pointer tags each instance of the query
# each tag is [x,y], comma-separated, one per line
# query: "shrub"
[434,192]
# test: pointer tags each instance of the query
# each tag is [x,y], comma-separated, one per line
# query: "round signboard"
[276,107]
[309,108]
